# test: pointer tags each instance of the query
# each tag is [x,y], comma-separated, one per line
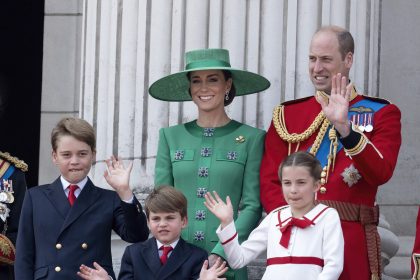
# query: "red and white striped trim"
[230,239]
[296,260]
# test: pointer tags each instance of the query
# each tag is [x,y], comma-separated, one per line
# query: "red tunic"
[375,169]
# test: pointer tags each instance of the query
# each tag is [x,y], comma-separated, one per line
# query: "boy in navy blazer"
[69,222]
[166,211]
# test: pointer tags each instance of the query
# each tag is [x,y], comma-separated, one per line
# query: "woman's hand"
[218,269]
[223,211]
[97,273]
[118,177]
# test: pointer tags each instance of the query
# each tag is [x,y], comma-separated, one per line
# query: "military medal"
[3,197]
[360,126]
[351,175]
[4,212]
[10,198]
[6,192]
[369,126]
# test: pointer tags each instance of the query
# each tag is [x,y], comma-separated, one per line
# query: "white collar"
[80,184]
[173,244]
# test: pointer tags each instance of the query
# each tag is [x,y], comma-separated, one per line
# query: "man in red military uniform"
[355,137]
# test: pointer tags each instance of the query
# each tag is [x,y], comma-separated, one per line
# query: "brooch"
[208,132]
[351,175]
[203,172]
[200,215]
[201,192]
[205,152]
[232,155]
[240,139]
[199,235]
[179,154]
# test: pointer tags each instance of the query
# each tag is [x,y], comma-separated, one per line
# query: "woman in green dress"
[214,152]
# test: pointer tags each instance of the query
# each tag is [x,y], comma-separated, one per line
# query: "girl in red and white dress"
[303,240]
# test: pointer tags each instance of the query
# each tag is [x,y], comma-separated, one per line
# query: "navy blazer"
[141,262]
[54,239]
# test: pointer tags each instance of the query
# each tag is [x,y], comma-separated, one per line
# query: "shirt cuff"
[227,234]
[129,201]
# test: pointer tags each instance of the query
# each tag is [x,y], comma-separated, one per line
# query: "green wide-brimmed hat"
[175,86]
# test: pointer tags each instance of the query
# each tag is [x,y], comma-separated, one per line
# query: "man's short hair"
[344,37]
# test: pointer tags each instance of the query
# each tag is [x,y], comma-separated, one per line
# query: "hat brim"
[175,87]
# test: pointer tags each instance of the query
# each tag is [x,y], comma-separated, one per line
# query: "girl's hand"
[218,269]
[118,177]
[88,273]
[223,211]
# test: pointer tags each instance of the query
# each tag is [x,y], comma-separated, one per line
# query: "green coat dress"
[224,159]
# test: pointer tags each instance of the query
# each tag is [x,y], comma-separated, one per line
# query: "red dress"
[369,167]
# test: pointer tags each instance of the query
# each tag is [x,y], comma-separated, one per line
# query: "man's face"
[325,60]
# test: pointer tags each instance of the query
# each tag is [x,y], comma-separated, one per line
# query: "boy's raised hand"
[223,211]
[218,269]
[97,273]
[118,177]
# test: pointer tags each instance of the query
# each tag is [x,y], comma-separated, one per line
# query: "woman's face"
[208,89]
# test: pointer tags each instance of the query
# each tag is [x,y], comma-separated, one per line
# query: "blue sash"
[8,172]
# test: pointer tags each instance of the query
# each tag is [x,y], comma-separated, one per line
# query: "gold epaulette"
[16,162]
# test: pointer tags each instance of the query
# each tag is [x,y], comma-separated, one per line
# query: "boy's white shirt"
[160,244]
[323,240]
[66,185]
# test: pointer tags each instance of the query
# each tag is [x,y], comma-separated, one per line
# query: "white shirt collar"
[173,244]
[80,184]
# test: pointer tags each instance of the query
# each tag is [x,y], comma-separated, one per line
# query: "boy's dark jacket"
[141,262]
[54,239]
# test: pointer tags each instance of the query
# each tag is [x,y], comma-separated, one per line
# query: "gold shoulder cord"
[17,162]
[280,126]
[320,122]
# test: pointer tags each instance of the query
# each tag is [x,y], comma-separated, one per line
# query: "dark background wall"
[21,38]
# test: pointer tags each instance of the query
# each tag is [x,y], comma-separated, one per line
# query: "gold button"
[58,246]
[323,190]
[84,246]
[57,269]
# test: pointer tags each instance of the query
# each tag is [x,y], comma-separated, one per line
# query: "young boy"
[69,222]
[166,210]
